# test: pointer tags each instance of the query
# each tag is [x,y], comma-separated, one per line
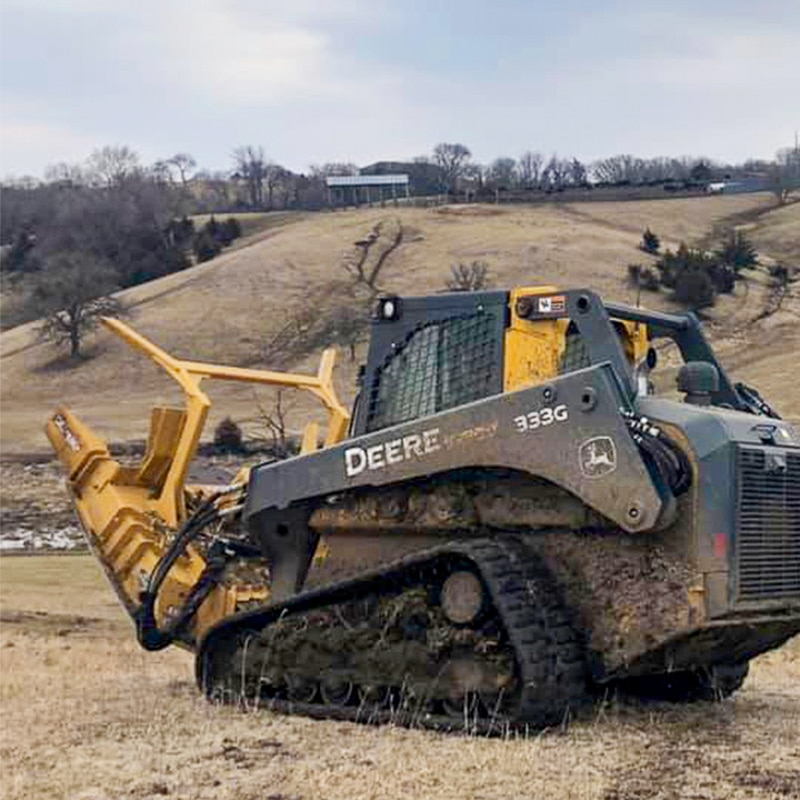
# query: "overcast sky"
[362,80]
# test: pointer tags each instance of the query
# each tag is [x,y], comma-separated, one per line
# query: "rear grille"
[768,530]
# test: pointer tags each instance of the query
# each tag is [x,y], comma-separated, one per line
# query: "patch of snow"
[65,538]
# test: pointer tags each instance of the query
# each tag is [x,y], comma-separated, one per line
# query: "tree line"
[254,182]
[71,240]
[450,169]
[457,172]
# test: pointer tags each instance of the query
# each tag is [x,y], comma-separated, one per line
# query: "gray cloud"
[358,80]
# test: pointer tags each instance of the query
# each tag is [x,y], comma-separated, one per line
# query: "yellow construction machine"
[509,521]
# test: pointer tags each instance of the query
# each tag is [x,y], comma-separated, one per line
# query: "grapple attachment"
[140,521]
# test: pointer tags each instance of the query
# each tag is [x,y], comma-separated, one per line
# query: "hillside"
[228,309]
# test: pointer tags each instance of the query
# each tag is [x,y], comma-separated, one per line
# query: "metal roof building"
[367,180]
[356,189]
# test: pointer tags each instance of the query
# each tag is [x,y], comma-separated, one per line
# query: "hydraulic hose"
[150,636]
[667,457]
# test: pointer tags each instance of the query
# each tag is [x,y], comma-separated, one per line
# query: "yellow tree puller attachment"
[135,518]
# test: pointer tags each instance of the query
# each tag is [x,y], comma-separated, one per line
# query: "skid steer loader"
[510,520]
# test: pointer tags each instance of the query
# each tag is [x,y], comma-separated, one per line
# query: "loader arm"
[138,521]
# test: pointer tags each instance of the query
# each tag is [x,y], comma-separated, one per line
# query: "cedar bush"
[782,275]
[738,252]
[650,242]
[695,277]
[205,246]
[228,437]
[233,230]
[722,276]
[695,289]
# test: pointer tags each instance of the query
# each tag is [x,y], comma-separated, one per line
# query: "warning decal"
[556,304]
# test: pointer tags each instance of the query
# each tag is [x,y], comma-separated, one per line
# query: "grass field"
[87,715]
[226,309]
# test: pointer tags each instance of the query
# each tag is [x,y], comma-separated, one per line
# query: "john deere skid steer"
[509,521]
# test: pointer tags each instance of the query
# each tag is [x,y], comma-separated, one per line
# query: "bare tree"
[556,172]
[289,188]
[468,277]
[251,165]
[615,169]
[274,174]
[184,163]
[784,174]
[530,168]
[629,169]
[780,183]
[113,164]
[213,190]
[577,172]
[474,176]
[503,173]
[161,172]
[451,158]
[65,174]
[274,424]
[664,168]
[70,293]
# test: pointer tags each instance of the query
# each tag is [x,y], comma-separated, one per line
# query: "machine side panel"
[569,432]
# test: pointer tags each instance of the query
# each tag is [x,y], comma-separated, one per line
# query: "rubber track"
[549,656]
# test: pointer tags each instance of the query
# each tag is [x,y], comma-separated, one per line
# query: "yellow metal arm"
[189,375]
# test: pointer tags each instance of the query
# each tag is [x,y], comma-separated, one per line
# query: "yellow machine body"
[535,348]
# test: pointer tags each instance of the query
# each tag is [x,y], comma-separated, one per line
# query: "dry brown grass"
[224,310]
[88,715]
[779,233]
[675,221]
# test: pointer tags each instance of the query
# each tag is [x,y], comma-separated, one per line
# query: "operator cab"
[434,353]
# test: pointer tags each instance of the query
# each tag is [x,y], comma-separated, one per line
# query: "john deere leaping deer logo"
[598,457]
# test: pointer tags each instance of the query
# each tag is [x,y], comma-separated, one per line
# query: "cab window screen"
[440,365]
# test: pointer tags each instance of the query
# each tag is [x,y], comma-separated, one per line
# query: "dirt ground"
[35,510]
[88,716]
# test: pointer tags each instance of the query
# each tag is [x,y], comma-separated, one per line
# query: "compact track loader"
[510,520]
